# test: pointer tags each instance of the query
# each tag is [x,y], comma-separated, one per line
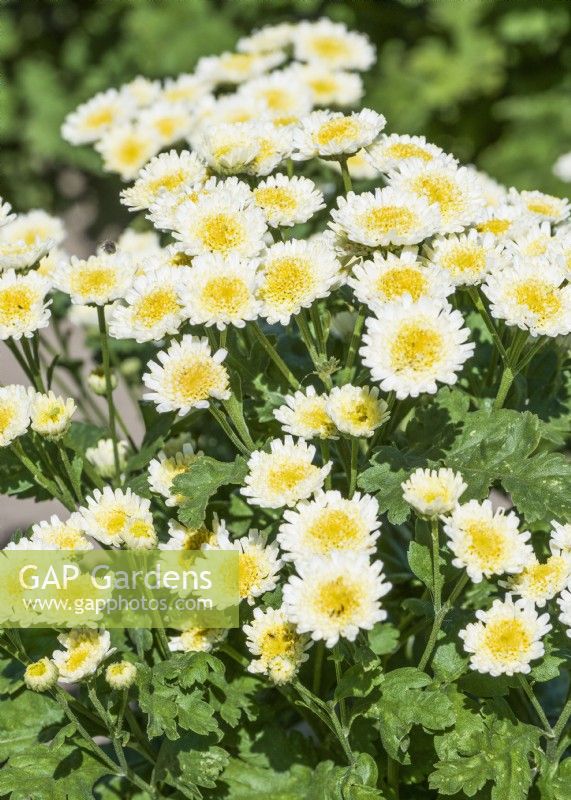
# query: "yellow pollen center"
[155,306]
[408,150]
[313,415]
[50,414]
[441,190]
[384,219]
[249,573]
[538,246]
[277,99]
[487,544]
[181,260]
[288,475]
[322,85]
[166,126]
[93,282]
[225,296]
[221,232]
[7,414]
[286,281]
[543,208]
[16,303]
[140,529]
[336,130]
[77,657]
[507,639]
[546,578]
[131,151]
[275,198]
[462,260]
[398,281]
[278,641]
[416,348]
[37,670]
[496,226]
[540,298]
[194,538]
[237,61]
[339,600]
[329,46]
[197,379]
[168,182]
[334,529]
[113,521]
[99,118]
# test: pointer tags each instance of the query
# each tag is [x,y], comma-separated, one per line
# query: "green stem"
[435,536]
[221,420]
[479,305]
[346,175]
[275,357]
[508,376]
[109,388]
[439,618]
[75,482]
[558,730]
[235,411]
[37,473]
[342,704]
[318,667]
[307,338]
[353,466]
[319,332]
[34,366]
[347,373]
[524,683]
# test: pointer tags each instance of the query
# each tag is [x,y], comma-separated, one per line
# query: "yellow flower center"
[333,529]
[37,670]
[112,521]
[280,640]
[194,538]
[385,219]
[277,99]
[398,281]
[250,573]
[416,347]
[168,182]
[287,475]
[99,118]
[7,414]
[221,232]
[320,86]
[336,130]
[339,600]
[496,226]
[225,296]
[507,639]
[93,281]
[541,298]
[544,208]
[77,657]
[50,414]
[155,306]
[275,198]
[166,126]
[194,638]
[362,413]
[548,578]
[16,304]
[329,47]
[487,544]
[538,246]
[237,61]
[442,190]
[313,415]
[131,151]
[286,280]
[462,260]
[435,491]
[408,150]
[196,379]
[67,538]
[141,529]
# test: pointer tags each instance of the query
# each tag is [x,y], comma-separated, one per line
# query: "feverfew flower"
[14,413]
[334,597]
[329,88]
[386,217]
[542,206]
[304,414]
[28,238]
[121,675]
[560,537]
[258,563]
[390,152]
[102,458]
[506,638]
[282,95]
[170,122]
[115,516]
[331,134]
[91,120]
[540,582]
[99,279]
[234,68]
[283,476]
[293,275]
[278,647]
[197,640]
[186,376]
[287,201]
[268,38]
[357,410]
[84,651]
[467,258]
[415,346]
[433,492]
[330,523]
[141,91]
[182,537]
[485,542]
[23,306]
[54,534]
[167,172]
[163,470]
[385,279]
[502,221]
[125,149]
[538,245]
[153,307]
[51,415]
[220,291]
[185,88]
[41,675]
[331,44]
[227,148]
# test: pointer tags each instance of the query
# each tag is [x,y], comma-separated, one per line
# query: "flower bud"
[41,675]
[121,675]
[97,383]
[51,415]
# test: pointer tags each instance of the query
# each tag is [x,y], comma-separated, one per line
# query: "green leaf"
[383,638]
[23,717]
[541,487]
[384,480]
[201,481]
[420,562]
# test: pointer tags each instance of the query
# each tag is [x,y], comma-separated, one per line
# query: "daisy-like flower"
[283,476]
[101,456]
[222,222]
[560,537]
[51,415]
[357,410]
[540,582]
[28,238]
[99,279]
[485,542]
[268,38]
[23,306]
[49,263]
[392,151]
[185,88]
[304,414]
[334,597]
[278,647]
[125,149]
[41,675]
[197,640]
[170,122]
[84,651]
[163,470]
[14,413]
[332,134]
[6,215]
[167,172]
[388,216]
[329,88]
[235,68]
[274,145]
[506,638]
[186,376]
[91,120]
[54,534]
[182,537]
[332,45]
[442,182]
[533,301]
[258,563]
[385,279]
[468,257]
[153,308]
[221,291]
[495,194]
[330,523]
[141,92]
[433,492]
[121,675]
[501,221]
[540,206]
[535,244]
[287,201]
[415,346]
[294,274]
[564,603]
[113,516]
[227,148]
[282,94]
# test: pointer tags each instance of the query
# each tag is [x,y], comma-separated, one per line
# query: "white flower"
[145,246]
[414,346]
[467,258]
[127,148]
[185,88]
[51,415]
[183,538]
[442,182]
[334,597]
[334,134]
[394,150]
[236,67]
[14,413]
[304,414]
[98,279]
[117,516]
[91,120]
[495,194]
[294,274]
[532,300]
[258,563]
[6,215]
[539,581]
[101,456]
[283,476]
[535,244]
[153,308]
[54,534]
[197,640]
[283,95]
[564,603]
[357,410]
[220,291]
[331,45]
[141,91]
[542,206]
[560,536]
[28,238]
[268,38]
[23,307]
[330,523]
[168,172]
[562,167]
[170,122]
[433,492]
[121,675]
[485,542]
[502,221]
[388,216]
[506,638]
[163,470]
[278,647]
[186,376]
[41,675]
[228,148]
[85,649]
[385,279]
[329,88]
[287,201]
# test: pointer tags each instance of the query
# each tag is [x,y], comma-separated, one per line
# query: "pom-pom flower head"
[468,258]
[163,470]
[23,306]
[51,415]
[332,45]
[42,675]
[540,581]
[116,516]
[258,563]
[433,492]
[333,134]
[100,279]
[356,410]
[121,675]
[14,413]
[29,237]
[278,647]
[84,651]
[153,307]
[305,414]
[167,172]
[287,201]
[390,152]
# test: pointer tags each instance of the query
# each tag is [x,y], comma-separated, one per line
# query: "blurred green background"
[489,80]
